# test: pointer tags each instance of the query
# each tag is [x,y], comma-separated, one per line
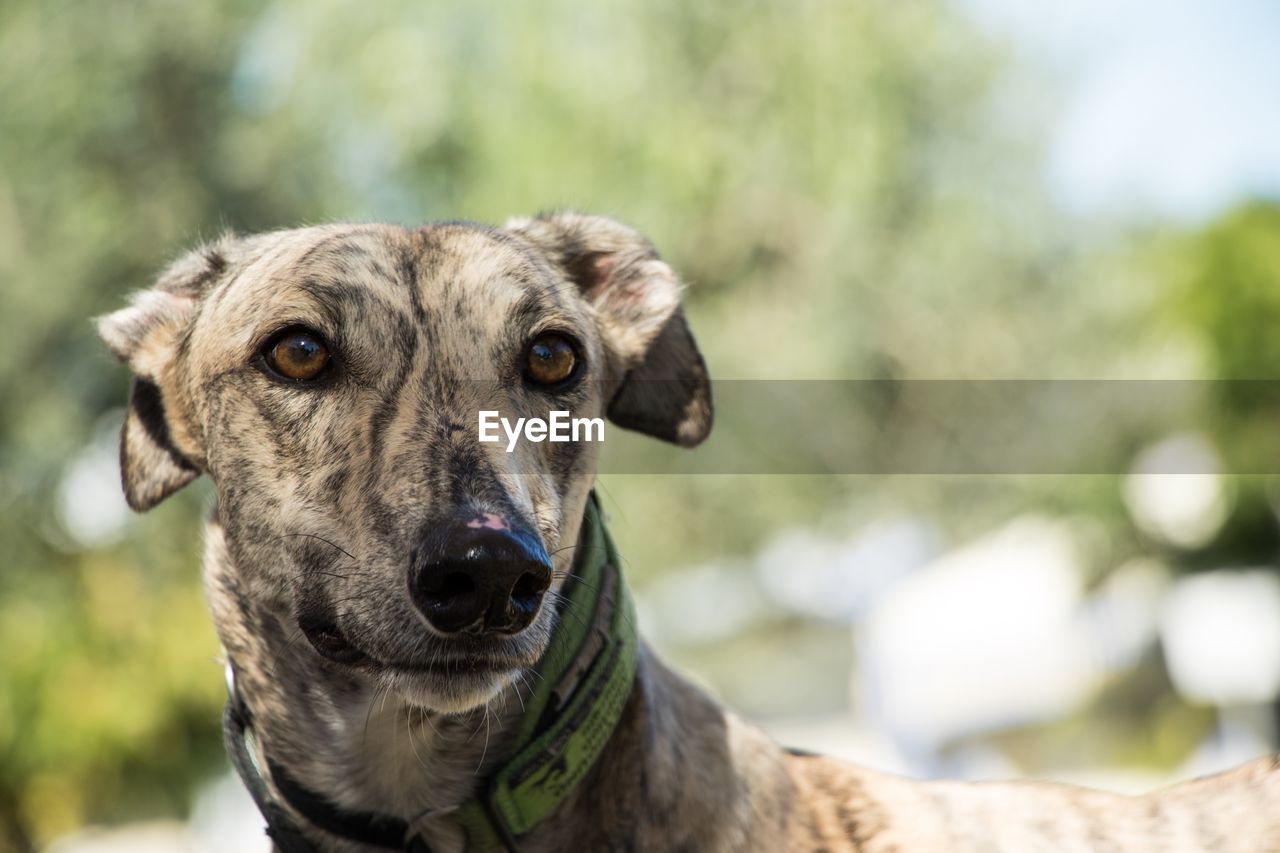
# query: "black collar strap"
[584,680]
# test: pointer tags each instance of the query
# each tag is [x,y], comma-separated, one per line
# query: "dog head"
[329,381]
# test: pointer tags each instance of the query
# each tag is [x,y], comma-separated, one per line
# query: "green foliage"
[1231,292]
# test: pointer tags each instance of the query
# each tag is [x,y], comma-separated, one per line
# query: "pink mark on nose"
[490,521]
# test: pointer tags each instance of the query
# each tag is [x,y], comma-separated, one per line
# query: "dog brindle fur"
[327,490]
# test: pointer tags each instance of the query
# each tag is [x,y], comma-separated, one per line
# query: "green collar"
[584,680]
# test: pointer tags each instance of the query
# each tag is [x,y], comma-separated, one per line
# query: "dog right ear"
[665,392]
[145,336]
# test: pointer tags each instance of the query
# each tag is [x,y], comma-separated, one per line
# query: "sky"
[1169,108]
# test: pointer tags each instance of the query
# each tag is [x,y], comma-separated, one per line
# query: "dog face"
[329,381]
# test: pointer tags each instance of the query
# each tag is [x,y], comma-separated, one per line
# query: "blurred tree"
[1230,295]
[1226,293]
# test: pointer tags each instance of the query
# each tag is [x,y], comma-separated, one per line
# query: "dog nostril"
[449,596]
[453,585]
[529,588]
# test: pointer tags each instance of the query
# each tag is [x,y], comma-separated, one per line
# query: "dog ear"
[666,392]
[145,336]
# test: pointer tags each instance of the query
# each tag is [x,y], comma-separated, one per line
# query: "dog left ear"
[143,336]
[146,336]
[666,392]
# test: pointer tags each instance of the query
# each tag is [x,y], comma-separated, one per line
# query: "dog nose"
[480,579]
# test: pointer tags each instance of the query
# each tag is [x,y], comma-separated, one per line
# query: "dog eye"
[550,360]
[297,354]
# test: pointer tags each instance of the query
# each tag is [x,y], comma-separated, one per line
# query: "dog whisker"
[426,718]
[413,745]
[565,548]
[626,564]
[485,750]
[379,691]
[516,683]
[575,579]
[321,539]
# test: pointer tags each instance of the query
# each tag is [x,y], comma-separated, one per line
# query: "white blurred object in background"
[700,604]
[1175,491]
[161,836]
[226,818]
[997,634]
[1221,637]
[840,581]
[798,572]
[1124,614]
[986,637]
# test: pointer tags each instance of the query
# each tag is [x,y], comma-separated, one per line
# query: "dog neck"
[336,742]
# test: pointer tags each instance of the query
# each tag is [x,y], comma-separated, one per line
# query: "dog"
[429,645]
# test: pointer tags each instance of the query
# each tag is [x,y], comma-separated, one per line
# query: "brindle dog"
[327,379]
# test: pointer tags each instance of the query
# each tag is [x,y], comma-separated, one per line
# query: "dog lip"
[460,665]
[461,657]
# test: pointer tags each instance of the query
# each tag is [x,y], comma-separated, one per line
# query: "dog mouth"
[452,682]
[460,665]
[483,657]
